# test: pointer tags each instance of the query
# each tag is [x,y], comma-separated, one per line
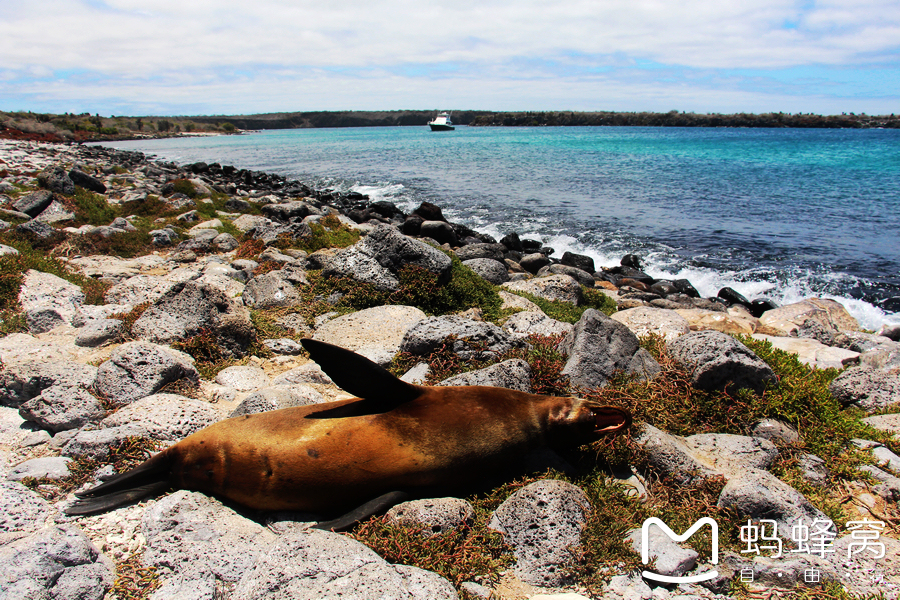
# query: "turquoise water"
[784,213]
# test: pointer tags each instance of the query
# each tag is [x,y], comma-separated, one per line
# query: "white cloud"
[124,46]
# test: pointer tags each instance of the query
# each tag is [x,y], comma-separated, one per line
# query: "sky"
[194,57]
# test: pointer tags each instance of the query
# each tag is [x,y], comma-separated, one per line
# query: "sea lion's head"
[576,421]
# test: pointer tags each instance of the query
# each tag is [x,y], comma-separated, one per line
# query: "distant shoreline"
[85,127]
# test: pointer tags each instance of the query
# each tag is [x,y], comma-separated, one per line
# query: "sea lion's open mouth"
[610,419]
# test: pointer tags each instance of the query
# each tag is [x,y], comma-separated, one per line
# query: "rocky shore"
[142,301]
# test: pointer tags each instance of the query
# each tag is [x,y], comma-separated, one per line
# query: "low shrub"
[184,186]
[568,312]
[125,245]
[328,233]
[151,208]
[91,208]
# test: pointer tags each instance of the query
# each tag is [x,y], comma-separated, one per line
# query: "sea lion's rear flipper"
[371,508]
[150,478]
[361,377]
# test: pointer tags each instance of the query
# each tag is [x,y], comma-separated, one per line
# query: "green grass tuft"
[568,312]
[328,233]
[92,208]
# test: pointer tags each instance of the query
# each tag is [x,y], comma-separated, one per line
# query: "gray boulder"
[559,288]
[372,331]
[489,269]
[293,569]
[429,334]
[243,378]
[62,407]
[379,257]
[56,180]
[55,563]
[225,242]
[670,456]
[98,332]
[271,232]
[308,373]
[720,362]
[758,494]
[598,347]
[542,522]
[42,320]
[495,252]
[885,357]
[138,290]
[23,381]
[434,515]
[440,231]
[288,211]
[21,511]
[728,453]
[284,346]
[36,228]
[34,203]
[193,535]
[872,389]
[88,182]
[580,261]
[269,290]
[813,469]
[534,262]
[582,277]
[165,416]
[164,237]
[276,397]
[138,369]
[55,213]
[49,467]
[42,291]
[775,431]
[525,323]
[97,443]
[513,374]
[187,308]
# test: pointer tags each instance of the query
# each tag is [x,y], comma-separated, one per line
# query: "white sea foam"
[751,283]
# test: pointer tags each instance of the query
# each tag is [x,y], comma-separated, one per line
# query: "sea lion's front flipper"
[361,377]
[373,507]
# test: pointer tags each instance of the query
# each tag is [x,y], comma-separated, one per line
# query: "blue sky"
[121,57]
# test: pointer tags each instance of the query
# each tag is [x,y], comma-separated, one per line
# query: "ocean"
[777,213]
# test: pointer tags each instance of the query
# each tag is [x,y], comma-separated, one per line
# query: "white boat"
[441,122]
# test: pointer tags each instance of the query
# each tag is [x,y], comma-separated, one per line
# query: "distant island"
[87,127]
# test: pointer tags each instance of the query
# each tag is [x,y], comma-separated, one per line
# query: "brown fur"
[446,439]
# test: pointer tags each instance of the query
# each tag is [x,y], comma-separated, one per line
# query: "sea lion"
[396,440]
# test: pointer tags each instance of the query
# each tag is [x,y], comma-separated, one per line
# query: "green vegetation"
[184,186]
[91,208]
[329,233]
[568,312]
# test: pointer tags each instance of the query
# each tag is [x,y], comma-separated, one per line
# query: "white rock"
[644,320]
[243,378]
[811,352]
[43,290]
[381,328]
